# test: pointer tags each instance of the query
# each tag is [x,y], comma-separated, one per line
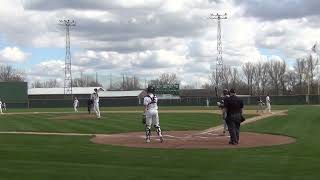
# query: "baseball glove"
[144,119]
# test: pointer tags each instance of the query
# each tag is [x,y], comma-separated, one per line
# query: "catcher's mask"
[150,89]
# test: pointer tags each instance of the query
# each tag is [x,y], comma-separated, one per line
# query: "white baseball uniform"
[95,98]
[268,104]
[75,105]
[1,108]
[152,116]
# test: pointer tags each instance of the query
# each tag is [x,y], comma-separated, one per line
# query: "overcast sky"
[148,37]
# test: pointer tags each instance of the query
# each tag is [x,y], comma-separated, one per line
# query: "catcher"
[221,106]
[151,116]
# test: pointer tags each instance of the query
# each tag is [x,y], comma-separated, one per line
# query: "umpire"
[90,104]
[233,106]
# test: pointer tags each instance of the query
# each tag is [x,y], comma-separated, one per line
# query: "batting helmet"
[151,89]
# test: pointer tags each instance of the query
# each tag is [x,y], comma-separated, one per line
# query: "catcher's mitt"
[144,119]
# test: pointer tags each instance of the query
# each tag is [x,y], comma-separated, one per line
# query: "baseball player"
[268,102]
[75,104]
[260,105]
[151,113]
[1,107]
[95,99]
[4,106]
[207,102]
[221,106]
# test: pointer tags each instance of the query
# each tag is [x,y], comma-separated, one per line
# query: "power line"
[67,68]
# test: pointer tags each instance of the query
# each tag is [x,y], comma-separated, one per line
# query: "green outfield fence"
[57,101]
[14,94]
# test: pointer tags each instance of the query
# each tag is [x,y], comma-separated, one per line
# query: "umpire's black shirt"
[233,104]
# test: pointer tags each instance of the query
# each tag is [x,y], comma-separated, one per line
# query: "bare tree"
[300,68]
[234,81]
[36,84]
[257,77]
[227,76]
[277,70]
[85,81]
[213,79]
[8,73]
[264,77]
[130,83]
[166,78]
[282,79]
[311,64]
[248,70]
[52,83]
[291,78]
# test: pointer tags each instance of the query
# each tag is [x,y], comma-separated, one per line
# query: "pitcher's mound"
[191,140]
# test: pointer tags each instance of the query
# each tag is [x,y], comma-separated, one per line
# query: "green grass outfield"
[134,108]
[32,157]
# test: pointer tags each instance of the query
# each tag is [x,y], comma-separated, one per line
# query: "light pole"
[219,61]
[67,68]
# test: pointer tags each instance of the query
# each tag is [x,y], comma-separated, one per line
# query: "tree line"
[273,77]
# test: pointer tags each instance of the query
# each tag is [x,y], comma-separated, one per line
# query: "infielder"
[4,106]
[268,102]
[224,113]
[95,99]
[1,107]
[151,114]
[75,104]
[260,105]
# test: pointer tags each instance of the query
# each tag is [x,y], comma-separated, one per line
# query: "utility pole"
[219,61]
[67,67]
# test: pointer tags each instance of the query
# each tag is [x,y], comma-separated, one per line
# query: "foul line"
[247,121]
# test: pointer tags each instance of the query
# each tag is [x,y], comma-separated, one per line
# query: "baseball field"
[38,144]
